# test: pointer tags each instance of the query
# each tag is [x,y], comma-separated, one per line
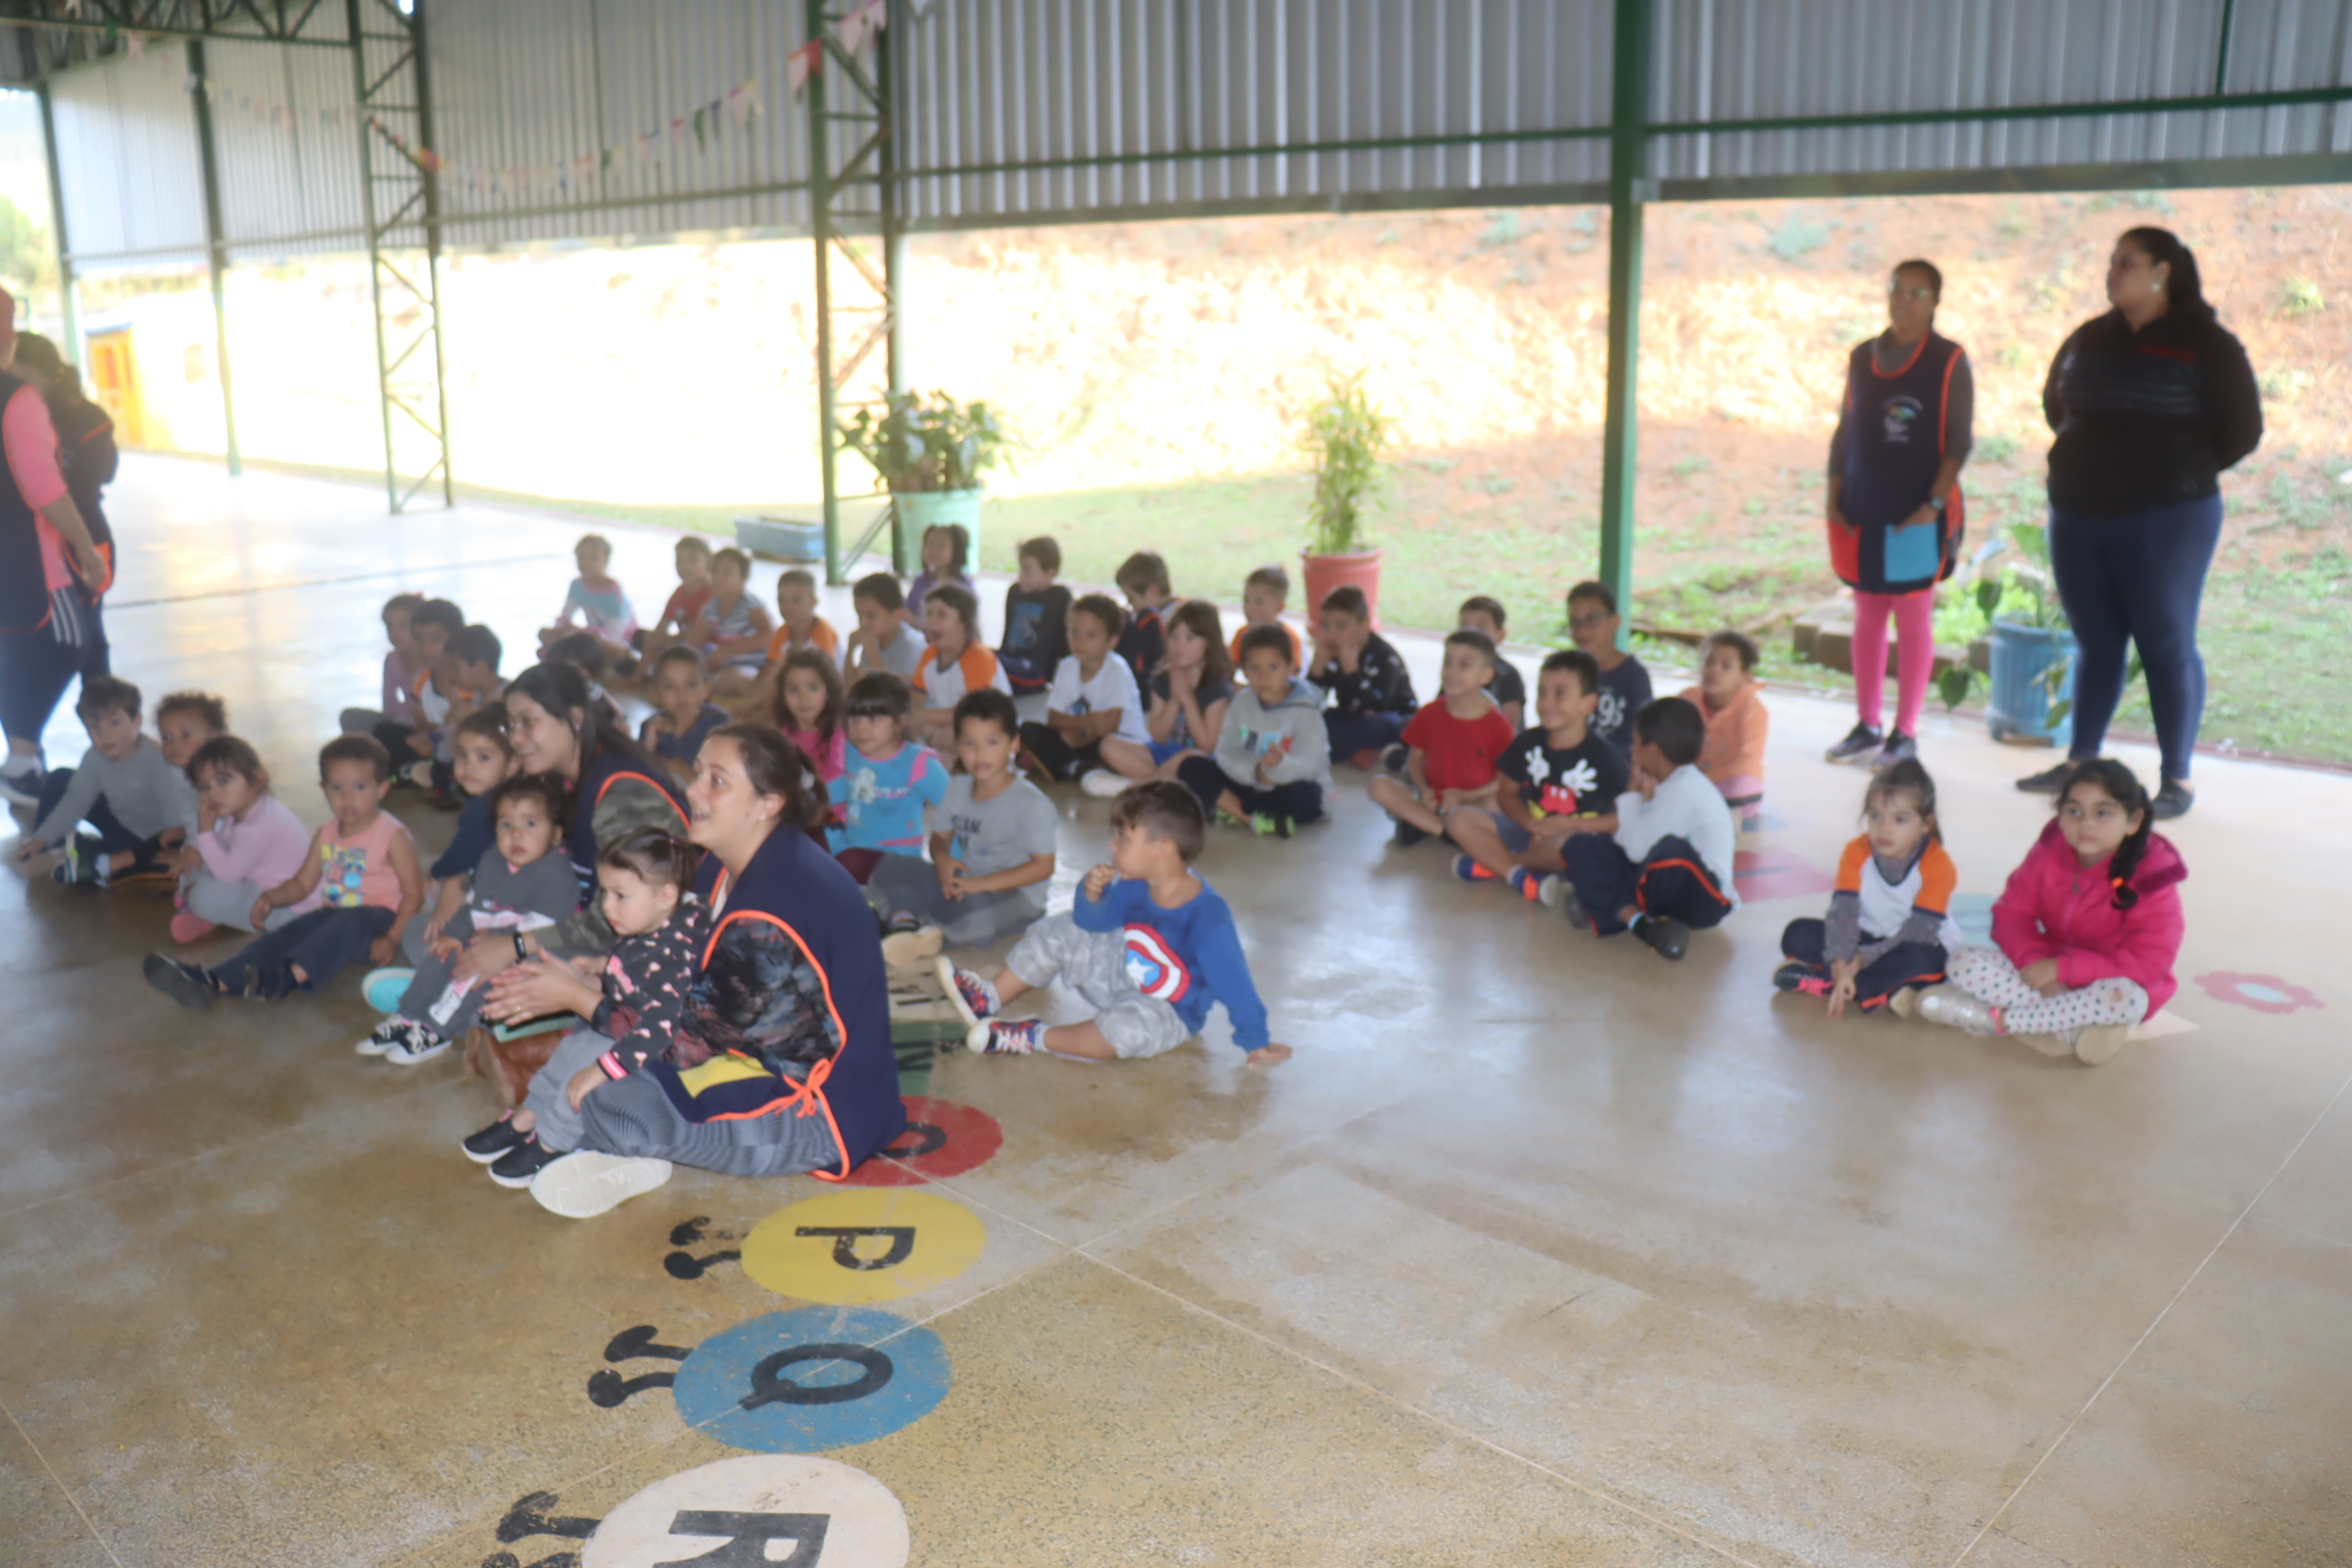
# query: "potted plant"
[1346,435]
[2032,665]
[929,451]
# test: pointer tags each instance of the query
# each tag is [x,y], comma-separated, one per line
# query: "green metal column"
[216,247]
[67,304]
[894,236]
[1629,140]
[820,233]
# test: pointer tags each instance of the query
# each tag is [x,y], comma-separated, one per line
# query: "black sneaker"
[1861,740]
[2048,781]
[184,983]
[270,982]
[2174,800]
[1664,935]
[900,924]
[526,1159]
[485,1146]
[1560,893]
[1900,748]
[1407,835]
[1392,759]
[1788,976]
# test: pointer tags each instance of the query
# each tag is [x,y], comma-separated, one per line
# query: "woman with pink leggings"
[1895,512]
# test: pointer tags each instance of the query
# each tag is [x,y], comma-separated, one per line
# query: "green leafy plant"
[1345,436]
[2025,593]
[921,442]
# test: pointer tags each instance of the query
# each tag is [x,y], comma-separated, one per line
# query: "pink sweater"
[265,846]
[2057,907]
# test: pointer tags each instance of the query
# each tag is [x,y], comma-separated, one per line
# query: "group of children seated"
[1621,810]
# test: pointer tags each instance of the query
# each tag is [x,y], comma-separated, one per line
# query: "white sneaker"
[975,996]
[1102,784]
[1959,1009]
[913,950]
[585,1184]
[2099,1042]
[24,786]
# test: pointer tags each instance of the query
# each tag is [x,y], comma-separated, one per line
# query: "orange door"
[115,376]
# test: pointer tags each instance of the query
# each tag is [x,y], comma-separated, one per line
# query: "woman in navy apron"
[1894,513]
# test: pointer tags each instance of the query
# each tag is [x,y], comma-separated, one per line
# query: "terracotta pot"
[1359,568]
[510,1063]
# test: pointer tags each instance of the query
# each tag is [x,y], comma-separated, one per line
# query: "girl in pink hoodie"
[2085,932]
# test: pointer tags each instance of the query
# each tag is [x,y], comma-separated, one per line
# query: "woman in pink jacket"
[2085,934]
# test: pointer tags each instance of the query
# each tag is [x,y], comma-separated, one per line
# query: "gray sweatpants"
[633,1117]
[556,1124]
[1093,966]
[432,978]
[230,904]
[903,885]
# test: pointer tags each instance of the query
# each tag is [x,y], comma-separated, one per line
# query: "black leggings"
[1301,800]
[1906,963]
[322,942]
[1057,756]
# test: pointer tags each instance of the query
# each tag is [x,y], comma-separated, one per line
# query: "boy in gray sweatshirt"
[1273,765]
[125,788]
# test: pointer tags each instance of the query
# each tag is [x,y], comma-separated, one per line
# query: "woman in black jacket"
[2150,402]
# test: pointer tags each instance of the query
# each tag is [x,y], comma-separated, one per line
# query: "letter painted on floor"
[776,1510]
[942,1139]
[818,1378]
[870,1245]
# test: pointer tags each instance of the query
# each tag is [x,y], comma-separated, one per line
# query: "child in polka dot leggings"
[2085,934]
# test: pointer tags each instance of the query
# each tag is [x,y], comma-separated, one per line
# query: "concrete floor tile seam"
[65,1490]
[2107,1381]
[1464,1434]
[243,589]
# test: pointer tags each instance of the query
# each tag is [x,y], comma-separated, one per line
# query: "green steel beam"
[820,227]
[2221,54]
[1621,422]
[215,251]
[68,303]
[894,236]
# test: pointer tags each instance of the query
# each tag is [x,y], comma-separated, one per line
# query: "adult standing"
[781,1061]
[1895,514]
[2150,402]
[87,456]
[50,566]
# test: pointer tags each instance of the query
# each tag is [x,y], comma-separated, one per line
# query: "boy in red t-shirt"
[1454,744]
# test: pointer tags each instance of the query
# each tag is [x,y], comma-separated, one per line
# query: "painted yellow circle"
[863,1243]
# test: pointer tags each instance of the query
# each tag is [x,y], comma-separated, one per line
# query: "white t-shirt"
[976,670]
[1112,686]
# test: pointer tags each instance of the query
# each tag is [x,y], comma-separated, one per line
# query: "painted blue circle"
[2261,993]
[812,1378]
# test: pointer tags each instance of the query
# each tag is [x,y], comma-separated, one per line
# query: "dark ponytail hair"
[2185,288]
[561,688]
[777,767]
[1910,777]
[2123,786]
[654,854]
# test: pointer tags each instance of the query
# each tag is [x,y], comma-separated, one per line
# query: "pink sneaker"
[186,927]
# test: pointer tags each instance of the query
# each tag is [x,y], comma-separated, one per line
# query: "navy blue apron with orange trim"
[1894,445]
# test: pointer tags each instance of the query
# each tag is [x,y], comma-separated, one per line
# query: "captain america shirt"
[1580,780]
[1189,956]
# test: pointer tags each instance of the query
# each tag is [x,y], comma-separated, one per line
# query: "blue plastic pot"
[2021,702]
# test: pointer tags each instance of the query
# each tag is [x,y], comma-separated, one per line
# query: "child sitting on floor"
[957,662]
[1271,770]
[1451,746]
[683,714]
[1557,779]
[993,835]
[483,759]
[474,656]
[402,670]
[686,601]
[732,630]
[1667,870]
[358,886]
[434,625]
[1144,579]
[247,840]
[519,884]
[126,789]
[1731,700]
[1093,700]
[1891,927]
[2085,934]
[600,603]
[947,561]
[1148,945]
[1037,614]
[1265,595]
[1184,713]
[645,887]
[1371,691]
[883,642]
[184,722]
[1593,625]
[809,702]
[1480,613]
[798,625]
[888,783]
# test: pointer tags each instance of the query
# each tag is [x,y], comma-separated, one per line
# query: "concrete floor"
[1540,1252]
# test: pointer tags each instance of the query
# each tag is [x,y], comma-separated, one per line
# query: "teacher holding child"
[1894,510]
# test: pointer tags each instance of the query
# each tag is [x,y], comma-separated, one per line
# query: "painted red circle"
[941,1139]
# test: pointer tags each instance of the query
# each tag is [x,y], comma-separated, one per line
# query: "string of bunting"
[700,126]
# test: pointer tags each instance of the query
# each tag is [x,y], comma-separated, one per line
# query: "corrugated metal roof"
[127,159]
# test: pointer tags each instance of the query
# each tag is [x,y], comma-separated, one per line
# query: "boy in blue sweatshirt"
[1148,945]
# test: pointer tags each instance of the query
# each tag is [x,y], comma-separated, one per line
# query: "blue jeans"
[2137,578]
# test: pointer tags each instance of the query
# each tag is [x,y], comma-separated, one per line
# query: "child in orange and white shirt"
[957,662]
[1731,700]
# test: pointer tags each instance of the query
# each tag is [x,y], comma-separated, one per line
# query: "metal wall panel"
[128,162]
[289,182]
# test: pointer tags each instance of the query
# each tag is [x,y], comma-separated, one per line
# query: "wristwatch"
[523,954]
[1935,505]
